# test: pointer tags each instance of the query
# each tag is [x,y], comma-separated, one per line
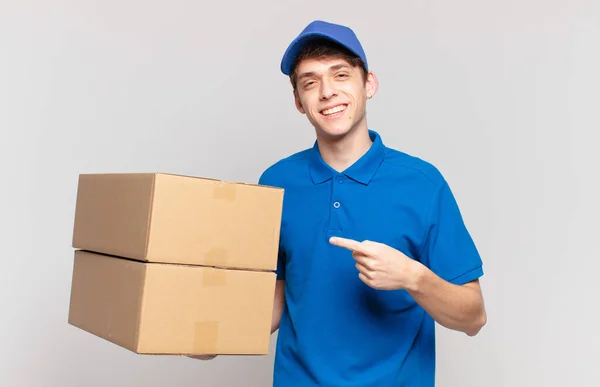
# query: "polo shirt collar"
[361,171]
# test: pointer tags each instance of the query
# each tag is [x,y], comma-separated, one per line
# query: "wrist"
[417,277]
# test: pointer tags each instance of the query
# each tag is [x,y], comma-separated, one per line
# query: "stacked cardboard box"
[170,264]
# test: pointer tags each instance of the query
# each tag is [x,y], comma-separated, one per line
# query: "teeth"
[334,110]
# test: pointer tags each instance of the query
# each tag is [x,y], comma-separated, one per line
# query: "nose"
[327,90]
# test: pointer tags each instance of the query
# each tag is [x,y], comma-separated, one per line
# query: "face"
[333,95]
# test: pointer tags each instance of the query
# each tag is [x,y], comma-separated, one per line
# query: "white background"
[502,96]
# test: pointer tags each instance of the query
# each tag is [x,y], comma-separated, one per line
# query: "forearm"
[275,321]
[278,304]
[455,307]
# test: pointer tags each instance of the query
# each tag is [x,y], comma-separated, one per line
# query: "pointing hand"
[379,265]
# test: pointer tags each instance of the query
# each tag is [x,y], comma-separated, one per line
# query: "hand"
[380,266]
[202,357]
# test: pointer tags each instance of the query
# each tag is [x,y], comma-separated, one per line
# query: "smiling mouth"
[334,110]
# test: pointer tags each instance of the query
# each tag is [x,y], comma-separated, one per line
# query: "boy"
[373,246]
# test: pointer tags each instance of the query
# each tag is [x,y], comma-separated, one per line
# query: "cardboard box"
[154,308]
[166,218]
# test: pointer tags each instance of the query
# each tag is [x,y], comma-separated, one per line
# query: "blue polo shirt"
[335,330]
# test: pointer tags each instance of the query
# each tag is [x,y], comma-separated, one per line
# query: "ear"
[298,103]
[372,85]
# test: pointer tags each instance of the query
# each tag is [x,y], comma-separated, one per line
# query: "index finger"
[349,244]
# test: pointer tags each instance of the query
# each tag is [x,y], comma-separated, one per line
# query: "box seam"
[77,196]
[149,220]
[140,309]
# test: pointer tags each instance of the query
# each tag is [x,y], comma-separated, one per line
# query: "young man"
[373,247]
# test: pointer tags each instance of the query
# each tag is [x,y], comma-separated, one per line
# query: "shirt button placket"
[336,203]
[340,180]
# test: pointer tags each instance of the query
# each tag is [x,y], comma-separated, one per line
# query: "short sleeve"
[449,250]
[265,180]
[280,265]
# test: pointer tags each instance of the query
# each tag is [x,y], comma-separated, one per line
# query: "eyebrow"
[339,66]
[332,68]
[306,75]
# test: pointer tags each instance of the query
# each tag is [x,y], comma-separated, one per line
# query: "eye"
[342,75]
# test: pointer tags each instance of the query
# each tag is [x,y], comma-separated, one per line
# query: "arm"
[278,305]
[270,178]
[444,278]
[457,307]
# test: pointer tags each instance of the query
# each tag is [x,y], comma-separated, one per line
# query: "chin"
[338,129]
[333,132]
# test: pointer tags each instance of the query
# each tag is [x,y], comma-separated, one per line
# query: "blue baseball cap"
[319,29]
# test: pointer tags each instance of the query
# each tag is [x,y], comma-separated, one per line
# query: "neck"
[341,152]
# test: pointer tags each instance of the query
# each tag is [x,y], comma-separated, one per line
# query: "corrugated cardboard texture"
[106,297]
[168,218]
[183,309]
[209,222]
[113,212]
